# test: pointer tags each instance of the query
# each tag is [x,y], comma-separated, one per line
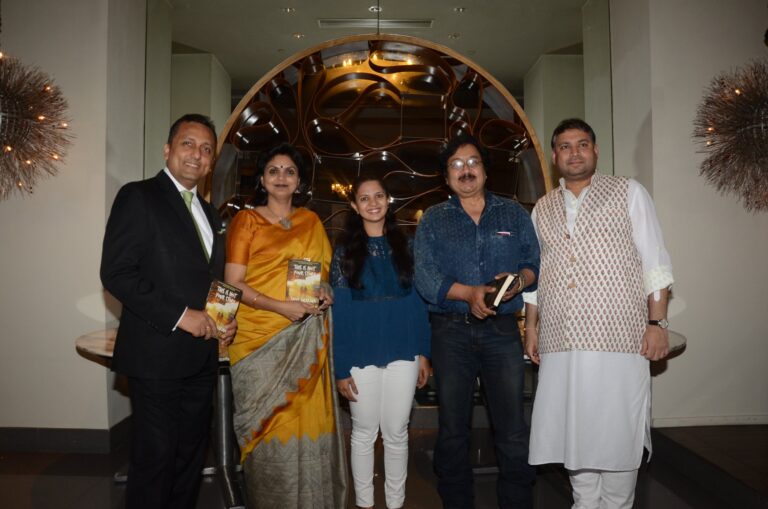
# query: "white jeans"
[384,400]
[601,489]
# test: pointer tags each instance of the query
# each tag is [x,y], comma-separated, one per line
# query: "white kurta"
[593,409]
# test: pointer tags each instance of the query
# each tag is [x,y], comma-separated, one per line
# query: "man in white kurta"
[597,319]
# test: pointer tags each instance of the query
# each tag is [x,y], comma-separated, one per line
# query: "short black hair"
[283,149]
[459,141]
[573,123]
[191,117]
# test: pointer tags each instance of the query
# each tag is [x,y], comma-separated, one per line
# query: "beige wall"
[51,245]
[596,31]
[664,56]
[199,84]
[125,137]
[157,105]
[631,83]
[554,90]
[533,94]
[221,94]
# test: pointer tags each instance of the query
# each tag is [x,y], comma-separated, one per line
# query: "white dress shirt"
[203,226]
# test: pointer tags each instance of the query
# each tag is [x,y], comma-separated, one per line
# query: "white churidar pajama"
[596,489]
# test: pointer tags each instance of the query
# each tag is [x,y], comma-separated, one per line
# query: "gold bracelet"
[253,300]
[521,279]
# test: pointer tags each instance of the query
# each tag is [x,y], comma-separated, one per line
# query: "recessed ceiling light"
[288,10]
[454,35]
[375,8]
[298,35]
[459,10]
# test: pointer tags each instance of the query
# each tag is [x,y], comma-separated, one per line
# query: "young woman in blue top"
[381,338]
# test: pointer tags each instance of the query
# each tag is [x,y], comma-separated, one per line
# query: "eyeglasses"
[459,164]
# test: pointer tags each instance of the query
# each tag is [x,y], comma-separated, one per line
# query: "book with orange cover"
[303,282]
[221,305]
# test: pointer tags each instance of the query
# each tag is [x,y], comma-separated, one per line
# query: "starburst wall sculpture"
[33,127]
[732,127]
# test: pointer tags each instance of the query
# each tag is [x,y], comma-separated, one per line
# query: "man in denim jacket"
[461,244]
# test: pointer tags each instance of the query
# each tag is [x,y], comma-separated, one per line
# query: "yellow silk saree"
[286,408]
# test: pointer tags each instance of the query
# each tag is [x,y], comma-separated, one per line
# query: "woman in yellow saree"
[286,412]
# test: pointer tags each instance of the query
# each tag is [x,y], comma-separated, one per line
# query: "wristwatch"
[663,323]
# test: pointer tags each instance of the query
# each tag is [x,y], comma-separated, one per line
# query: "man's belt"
[470,319]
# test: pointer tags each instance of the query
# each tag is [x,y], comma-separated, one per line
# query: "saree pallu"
[287,421]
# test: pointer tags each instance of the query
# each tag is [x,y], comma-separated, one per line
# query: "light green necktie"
[188,195]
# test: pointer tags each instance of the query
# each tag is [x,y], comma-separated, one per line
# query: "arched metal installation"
[379,104]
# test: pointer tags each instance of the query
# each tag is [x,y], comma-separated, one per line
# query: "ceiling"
[250,37]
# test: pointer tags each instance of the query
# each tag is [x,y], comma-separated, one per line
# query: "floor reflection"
[61,481]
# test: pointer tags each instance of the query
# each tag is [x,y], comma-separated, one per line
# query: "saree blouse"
[265,249]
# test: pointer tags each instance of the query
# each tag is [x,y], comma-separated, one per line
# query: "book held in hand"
[500,286]
[221,305]
[303,283]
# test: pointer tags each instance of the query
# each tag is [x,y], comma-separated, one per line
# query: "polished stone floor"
[84,481]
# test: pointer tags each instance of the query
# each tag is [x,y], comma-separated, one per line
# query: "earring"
[297,191]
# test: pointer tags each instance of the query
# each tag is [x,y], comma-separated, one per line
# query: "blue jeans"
[462,349]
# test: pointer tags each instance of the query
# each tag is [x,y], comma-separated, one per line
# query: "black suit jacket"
[153,263]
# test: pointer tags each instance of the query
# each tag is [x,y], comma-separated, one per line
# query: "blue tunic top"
[380,323]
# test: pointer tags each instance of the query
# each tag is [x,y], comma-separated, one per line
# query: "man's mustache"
[467,177]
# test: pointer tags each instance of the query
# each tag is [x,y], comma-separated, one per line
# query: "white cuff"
[657,279]
[531,298]
[179,320]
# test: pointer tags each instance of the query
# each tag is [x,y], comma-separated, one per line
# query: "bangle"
[521,279]
[253,300]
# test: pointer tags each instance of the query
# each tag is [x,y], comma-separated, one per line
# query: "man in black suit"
[161,251]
